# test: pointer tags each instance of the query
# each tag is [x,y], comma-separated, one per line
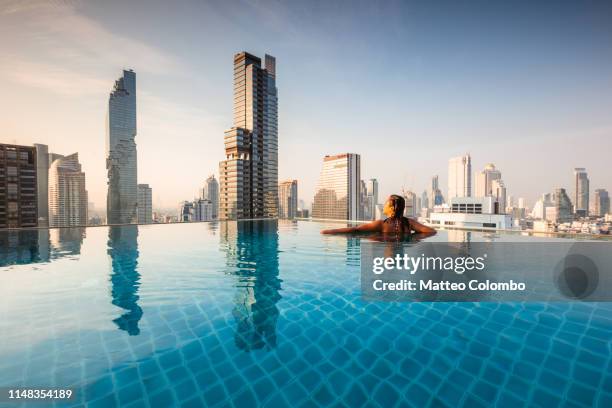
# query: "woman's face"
[388,209]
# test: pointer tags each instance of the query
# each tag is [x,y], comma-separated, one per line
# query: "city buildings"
[121,161]
[372,198]
[602,203]
[145,204]
[68,205]
[484,180]
[411,208]
[210,192]
[249,174]
[337,194]
[42,183]
[202,210]
[18,186]
[288,199]
[539,208]
[561,209]
[470,212]
[186,212]
[435,194]
[460,177]
[581,192]
[424,200]
[498,190]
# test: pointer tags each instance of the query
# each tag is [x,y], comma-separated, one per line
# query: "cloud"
[50,45]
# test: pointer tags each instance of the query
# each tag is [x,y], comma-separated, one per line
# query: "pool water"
[269,313]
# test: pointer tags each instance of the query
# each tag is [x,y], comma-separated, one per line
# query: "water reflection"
[22,247]
[252,255]
[125,279]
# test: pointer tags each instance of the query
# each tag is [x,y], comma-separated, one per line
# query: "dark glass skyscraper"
[121,163]
[249,174]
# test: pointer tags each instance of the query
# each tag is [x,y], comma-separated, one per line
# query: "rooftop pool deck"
[269,313]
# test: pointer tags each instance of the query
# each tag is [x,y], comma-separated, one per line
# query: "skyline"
[547,111]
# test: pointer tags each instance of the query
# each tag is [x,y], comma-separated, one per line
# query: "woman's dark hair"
[399,204]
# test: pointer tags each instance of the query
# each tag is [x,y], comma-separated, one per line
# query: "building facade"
[121,158]
[18,186]
[145,204]
[372,194]
[68,205]
[202,210]
[42,183]
[484,180]
[210,192]
[459,177]
[581,192]
[498,190]
[435,194]
[249,174]
[561,210]
[337,194]
[602,202]
[288,199]
[470,212]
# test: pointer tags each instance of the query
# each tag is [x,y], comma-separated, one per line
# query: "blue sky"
[525,85]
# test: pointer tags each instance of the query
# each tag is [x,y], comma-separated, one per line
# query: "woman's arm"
[420,228]
[373,226]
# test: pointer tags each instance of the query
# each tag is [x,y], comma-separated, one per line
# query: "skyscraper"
[337,194]
[581,192]
[202,210]
[460,177]
[210,192]
[562,207]
[145,204]
[121,162]
[249,173]
[435,194]
[67,193]
[287,199]
[42,183]
[410,210]
[484,180]
[372,191]
[18,202]
[363,200]
[602,202]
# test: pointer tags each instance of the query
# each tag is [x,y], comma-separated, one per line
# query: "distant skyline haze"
[524,85]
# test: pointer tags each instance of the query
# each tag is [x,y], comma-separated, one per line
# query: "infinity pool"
[270,314]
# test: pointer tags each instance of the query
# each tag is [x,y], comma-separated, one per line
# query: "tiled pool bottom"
[267,314]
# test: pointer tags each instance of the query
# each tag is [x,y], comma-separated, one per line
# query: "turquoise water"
[270,314]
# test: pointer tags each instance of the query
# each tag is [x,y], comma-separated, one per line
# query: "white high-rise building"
[202,210]
[337,195]
[210,192]
[145,204]
[484,180]
[67,193]
[499,192]
[288,199]
[460,177]
[121,162]
[521,203]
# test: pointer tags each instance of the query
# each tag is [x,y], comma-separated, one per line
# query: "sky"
[524,85]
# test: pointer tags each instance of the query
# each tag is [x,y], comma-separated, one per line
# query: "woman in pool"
[394,223]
